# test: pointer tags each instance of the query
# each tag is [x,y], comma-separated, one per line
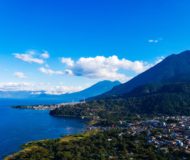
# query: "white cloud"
[47,70]
[14,86]
[159,59]
[36,88]
[60,89]
[153,40]
[67,61]
[45,55]
[29,57]
[20,75]
[101,67]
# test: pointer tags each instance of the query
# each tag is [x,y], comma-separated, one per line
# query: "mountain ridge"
[174,68]
[94,90]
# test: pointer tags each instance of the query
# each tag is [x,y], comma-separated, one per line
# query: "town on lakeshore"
[163,132]
[47,107]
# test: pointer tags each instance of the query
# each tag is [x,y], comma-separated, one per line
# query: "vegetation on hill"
[171,99]
[167,99]
[114,144]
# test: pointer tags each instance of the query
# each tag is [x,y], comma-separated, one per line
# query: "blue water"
[20,126]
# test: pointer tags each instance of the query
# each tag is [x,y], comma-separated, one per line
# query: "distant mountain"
[19,94]
[96,89]
[174,68]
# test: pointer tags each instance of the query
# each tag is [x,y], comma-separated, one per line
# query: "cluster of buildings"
[39,107]
[48,107]
[164,132]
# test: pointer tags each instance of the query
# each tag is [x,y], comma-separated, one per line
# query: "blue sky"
[137,32]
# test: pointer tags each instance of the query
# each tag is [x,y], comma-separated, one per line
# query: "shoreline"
[157,131]
[75,130]
[74,137]
[144,132]
[49,109]
[47,106]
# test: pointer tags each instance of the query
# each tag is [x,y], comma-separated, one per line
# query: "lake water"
[20,126]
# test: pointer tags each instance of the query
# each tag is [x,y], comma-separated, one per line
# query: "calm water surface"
[20,126]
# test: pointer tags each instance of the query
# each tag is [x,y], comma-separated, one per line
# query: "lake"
[21,126]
